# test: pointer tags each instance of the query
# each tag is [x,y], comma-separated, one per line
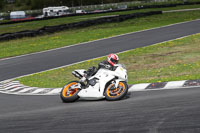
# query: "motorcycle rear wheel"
[70,95]
[113,94]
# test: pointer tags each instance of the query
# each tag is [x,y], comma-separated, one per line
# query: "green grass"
[38,24]
[70,37]
[169,61]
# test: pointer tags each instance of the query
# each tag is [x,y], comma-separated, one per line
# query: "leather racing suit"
[93,70]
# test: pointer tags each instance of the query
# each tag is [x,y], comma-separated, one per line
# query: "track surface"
[24,65]
[166,111]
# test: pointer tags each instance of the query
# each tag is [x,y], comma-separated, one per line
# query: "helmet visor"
[114,61]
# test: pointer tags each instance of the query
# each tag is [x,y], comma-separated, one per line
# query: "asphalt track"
[163,111]
[14,67]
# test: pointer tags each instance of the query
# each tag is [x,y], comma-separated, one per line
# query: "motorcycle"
[108,84]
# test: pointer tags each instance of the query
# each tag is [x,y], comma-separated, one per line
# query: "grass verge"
[66,38]
[169,61]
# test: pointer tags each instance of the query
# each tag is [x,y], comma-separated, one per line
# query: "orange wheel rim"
[116,91]
[67,92]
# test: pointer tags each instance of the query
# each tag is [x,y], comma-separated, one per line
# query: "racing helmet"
[112,59]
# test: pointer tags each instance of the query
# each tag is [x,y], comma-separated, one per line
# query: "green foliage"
[28,2]
[1,4]
[18,3]
[37,4]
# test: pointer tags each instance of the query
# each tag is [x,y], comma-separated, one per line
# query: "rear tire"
[70,95]
[113,94]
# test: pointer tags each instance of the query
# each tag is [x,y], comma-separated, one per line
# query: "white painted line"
[5,92]
[15,89]
[38,90]
[92,59]
[27,89]
[9,81]
[12,86]
[181,10]
[172,88]
[94,41]
[174,84]
[55,91]
[138,87]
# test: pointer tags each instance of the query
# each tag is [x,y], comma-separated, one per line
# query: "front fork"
[76,86]
[116,83]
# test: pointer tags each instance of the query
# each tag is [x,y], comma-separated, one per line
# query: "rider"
[112,60]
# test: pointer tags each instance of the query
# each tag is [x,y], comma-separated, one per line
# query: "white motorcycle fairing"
[102,77]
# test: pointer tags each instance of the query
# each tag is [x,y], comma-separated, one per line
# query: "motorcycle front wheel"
[69,94]
[112,93]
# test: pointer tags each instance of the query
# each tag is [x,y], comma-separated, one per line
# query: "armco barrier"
[109,11]
[52,29]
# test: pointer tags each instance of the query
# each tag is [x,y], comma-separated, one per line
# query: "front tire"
[69,94]
[113,94]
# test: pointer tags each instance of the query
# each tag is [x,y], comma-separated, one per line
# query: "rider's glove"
[83,79]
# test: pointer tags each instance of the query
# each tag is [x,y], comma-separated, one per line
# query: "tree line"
[38,4]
